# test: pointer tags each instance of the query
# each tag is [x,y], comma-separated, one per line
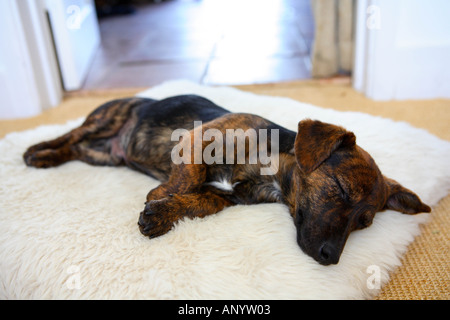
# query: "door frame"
[29,76]
[42,52]
[76,36]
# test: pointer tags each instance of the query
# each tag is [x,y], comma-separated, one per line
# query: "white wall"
[402,49]
[18,93]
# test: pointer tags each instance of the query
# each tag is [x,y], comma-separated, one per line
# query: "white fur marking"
[276,193]
[222,185]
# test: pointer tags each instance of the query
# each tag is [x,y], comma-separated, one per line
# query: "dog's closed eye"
[342,191]
[298,218]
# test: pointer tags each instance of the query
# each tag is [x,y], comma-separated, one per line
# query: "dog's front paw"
[157,218]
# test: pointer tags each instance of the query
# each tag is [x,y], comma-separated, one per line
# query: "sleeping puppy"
[208,159]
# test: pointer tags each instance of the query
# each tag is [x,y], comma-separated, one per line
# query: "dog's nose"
[328,254]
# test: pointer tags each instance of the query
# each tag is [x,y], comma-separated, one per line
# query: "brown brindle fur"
[330,185]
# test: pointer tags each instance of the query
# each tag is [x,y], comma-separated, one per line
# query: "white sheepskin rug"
[71,232]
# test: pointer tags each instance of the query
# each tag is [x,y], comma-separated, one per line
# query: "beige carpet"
[425,273]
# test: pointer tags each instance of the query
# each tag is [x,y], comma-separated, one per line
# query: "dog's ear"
[404,200]
[316,141]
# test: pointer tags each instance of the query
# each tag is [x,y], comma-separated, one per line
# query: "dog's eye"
[342,193]
[298,217]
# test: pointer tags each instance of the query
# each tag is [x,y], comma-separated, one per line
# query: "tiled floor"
[206,41]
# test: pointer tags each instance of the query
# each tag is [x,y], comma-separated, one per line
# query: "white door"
[76,34]
[402,49]
[29,80]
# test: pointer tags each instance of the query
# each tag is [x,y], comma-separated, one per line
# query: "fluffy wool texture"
[71,232]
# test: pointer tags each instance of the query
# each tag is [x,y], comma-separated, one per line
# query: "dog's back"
[149,145]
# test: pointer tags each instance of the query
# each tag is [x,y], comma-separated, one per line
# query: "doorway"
[214,42]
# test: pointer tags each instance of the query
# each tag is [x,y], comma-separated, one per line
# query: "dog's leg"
[54,152]
[100,126]
[182,196]
[51,157]
[159,216]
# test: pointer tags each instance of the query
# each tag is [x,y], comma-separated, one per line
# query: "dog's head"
[339,190]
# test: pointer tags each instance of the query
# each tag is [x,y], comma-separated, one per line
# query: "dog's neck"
[287,177]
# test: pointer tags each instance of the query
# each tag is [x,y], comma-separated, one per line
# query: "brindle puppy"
[330,185]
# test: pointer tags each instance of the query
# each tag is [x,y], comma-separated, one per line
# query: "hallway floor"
[215,42]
